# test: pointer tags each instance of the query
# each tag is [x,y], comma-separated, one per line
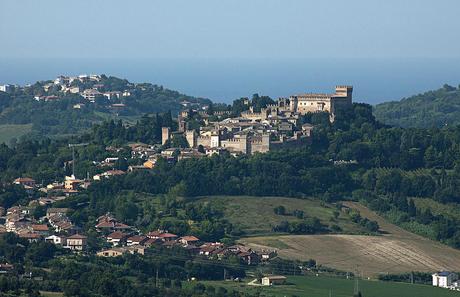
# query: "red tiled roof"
[105,224]
[40,227]
[137,238]
[167,235]
[190,238]
[117,235]
[29,235]
[77,236]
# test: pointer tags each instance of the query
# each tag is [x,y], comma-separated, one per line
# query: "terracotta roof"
[105,224]
[137,238]
[117,235]
[167,235]
[77,236]
[29,235]
[190,238]
[40,227]
[24,179]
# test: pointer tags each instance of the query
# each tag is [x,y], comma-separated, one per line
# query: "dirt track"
[395,251]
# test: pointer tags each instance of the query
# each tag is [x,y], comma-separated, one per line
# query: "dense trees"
[431,109]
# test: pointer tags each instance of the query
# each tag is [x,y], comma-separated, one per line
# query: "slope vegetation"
[431,109]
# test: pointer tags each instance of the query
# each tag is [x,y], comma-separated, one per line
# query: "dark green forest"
[436,108]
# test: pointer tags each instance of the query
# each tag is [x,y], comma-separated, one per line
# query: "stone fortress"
[274,127]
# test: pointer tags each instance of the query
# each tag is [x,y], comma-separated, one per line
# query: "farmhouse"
[273,280]
[445,279]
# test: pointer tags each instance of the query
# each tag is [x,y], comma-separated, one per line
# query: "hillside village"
[274,127]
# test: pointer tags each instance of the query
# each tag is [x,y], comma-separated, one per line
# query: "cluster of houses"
[124,239]
[66,84]
[56,227]
[57,190]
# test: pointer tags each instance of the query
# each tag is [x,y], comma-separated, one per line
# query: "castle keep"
[311,102]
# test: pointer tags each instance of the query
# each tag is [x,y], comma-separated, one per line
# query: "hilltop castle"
[311,102]
[275,126]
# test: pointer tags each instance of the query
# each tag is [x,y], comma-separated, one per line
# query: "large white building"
[445,279]
[6,88]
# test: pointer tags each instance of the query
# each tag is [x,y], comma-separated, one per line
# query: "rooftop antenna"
[73,145]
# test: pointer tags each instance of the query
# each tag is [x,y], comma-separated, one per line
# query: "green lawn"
[256,217]
[312,286]
[9,131]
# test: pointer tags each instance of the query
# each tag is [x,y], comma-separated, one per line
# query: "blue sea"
[223,80]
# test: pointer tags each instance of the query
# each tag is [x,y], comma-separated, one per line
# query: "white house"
[57,239]
[444,279]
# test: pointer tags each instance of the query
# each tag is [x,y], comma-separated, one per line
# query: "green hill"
[66,113]
[431,109]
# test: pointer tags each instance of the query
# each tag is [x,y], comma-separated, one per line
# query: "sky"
[221,29]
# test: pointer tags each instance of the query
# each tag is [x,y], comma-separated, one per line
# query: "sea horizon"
[224,80]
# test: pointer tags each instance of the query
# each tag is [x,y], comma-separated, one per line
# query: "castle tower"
[165,134]
[293,103]
[191,137]
[215,139]
[344,91]
[265,142]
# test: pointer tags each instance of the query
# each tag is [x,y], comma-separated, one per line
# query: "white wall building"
[6,88]
[444,279]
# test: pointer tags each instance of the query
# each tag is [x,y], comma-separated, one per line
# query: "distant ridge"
[431,109]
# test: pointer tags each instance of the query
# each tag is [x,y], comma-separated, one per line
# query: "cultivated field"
[395,251]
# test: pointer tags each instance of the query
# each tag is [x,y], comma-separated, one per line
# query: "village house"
[119,251]
[52,211]
[107,224]
[211,248]
[31,237]
[57,240]
[76,242]
[136,240]
[163,235]
[91,94]
[187,240]
[108,174]
[25,182]
[41,229]
[117,238]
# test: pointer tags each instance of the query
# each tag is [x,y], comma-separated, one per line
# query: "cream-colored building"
[312,102]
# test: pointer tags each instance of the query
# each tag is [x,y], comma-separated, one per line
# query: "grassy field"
[395,251]
[312,286]
[256,217]
[9,131]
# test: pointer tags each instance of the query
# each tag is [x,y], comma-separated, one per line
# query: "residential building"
[76,242]
[57,240]
[91,94]
[25,181]
[444,279]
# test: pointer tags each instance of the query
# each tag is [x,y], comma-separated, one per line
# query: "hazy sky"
[229,28]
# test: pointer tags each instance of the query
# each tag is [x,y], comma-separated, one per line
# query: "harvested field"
[395,251]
